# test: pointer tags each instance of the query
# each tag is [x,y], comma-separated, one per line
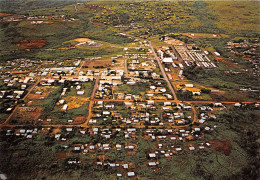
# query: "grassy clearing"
[139,88]
[86,86]
[236,15]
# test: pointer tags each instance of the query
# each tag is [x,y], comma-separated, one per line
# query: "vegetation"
[136,89]
[115,25]
[217,78]
[236,125]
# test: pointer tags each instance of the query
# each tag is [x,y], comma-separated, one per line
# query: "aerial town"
[89,91]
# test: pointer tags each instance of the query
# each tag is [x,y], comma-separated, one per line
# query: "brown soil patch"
[61,155]
[221,146]
[96,24]
[4,14]
[3,117]
[20,72]
[56,131]
[78,119]
[231,64]
[31,44]
[37,96]
[24,114]
[44,89]
[75,101]
[97,64]
[102,157]
[82,40]
[175,42]
[227,96]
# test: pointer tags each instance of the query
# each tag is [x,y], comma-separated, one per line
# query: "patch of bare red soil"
[28,44]
[221,146]
[4,14]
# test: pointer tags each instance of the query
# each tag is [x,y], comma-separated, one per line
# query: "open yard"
[87,87]
[117,64]
[26,115]
[97,64]
[75,101]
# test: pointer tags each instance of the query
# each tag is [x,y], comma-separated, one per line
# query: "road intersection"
[92,100]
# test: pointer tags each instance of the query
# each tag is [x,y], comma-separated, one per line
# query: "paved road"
[163,72]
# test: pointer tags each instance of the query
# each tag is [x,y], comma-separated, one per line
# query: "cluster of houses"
[23,132]
[185,87]
[32,68]
[167,143]
[18,67]
[34,20]
[12,18]
[140,63]
[140,113]
[108,80]
[58,17]
[120,139]
[141,66]
[247,49]
[138,73]
[37,19]
[14,88]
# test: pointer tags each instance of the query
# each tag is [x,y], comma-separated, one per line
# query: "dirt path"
[77,74]
[92,100]
[91,103]
[95,88]
[126,69]
[76,9]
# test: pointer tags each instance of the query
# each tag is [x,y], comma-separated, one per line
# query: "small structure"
[167,60]
[130,174]
[80,92]
[65,107]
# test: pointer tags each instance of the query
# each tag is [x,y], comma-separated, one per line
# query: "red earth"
[3,14]
[28,44]
[221,146]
